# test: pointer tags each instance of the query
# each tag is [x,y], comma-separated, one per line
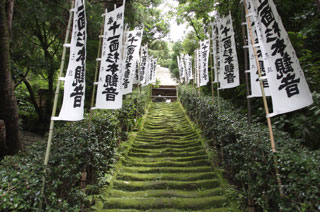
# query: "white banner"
[198,67]
[204,61]
[74,81]
[109,95]
[216,50]
[154,79]
[188,62]
[184,67]
[137,73]
[143,64]
[254,76]
[288,86]
[180,67]
[151,67]
[133,42]
[148,70]
[229,67]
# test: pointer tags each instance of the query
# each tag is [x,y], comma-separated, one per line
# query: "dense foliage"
[302,21]
[75,150]
[245,153]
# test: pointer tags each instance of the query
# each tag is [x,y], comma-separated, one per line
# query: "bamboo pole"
[273,146]
[218,73]
[212,69]
[246,65]
[96,72]
[55,104]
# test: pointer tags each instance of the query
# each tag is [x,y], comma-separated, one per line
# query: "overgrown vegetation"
[74,150]
[245,153]
[302,21]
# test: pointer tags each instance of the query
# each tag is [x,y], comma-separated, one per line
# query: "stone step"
[167,169]
[165,193]
[166,150]
[169,154]
[165,184]
[166,176]
[165,163]
[163,203]
[161,159]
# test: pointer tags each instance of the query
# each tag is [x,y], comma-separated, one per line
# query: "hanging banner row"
[119,64]
[270,51]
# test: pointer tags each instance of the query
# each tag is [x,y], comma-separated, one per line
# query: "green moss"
[166,176]
[161,203]
[164,168]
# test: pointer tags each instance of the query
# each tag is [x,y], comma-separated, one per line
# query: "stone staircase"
[165,170]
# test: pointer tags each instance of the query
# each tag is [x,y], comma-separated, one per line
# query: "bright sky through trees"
[177,32]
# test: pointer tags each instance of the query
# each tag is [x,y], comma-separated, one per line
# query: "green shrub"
[246,153]
[74,150]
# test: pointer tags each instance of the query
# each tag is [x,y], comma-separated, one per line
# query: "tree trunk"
[318,3]
[10,5]
[8,103]
[32,98]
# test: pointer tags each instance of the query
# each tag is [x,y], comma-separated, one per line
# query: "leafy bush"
[246,153]
[74,150]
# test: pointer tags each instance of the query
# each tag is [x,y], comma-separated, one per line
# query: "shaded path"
[166,169]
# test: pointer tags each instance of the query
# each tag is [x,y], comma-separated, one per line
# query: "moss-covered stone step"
[160,159]
[167,154]
[190,170]
[167,142]
[158,145]
[164,184]
[166,176]
[166,210]
[162,203]
[165,163]
[165,193]
[171,149]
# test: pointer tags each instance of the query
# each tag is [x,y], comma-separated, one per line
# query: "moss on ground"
[165,168]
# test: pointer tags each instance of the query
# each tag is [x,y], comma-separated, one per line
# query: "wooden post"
[246,64]
[55,104]
[98,61]
[273,146]
[212,69]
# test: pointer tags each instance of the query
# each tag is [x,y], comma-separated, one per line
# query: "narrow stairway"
[166,169]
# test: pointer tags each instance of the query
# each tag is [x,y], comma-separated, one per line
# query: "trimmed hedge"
[245,153]
[74,150]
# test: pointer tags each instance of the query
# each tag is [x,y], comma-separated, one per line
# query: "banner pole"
[96,72]
[246,64]
[273,146]
[218,73]
[212,69]
[54,109]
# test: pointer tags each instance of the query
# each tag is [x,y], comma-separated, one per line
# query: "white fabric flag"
[74,85]
[216,50]
[143,64]
[288,86]
[204,61]
[198,68]
[133,42]
[184,67]
[154,79]
[109,95]
[137,72]
[151,67]
[254,77]
[229,67]
[180,67]
[189,66]
[148,64]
